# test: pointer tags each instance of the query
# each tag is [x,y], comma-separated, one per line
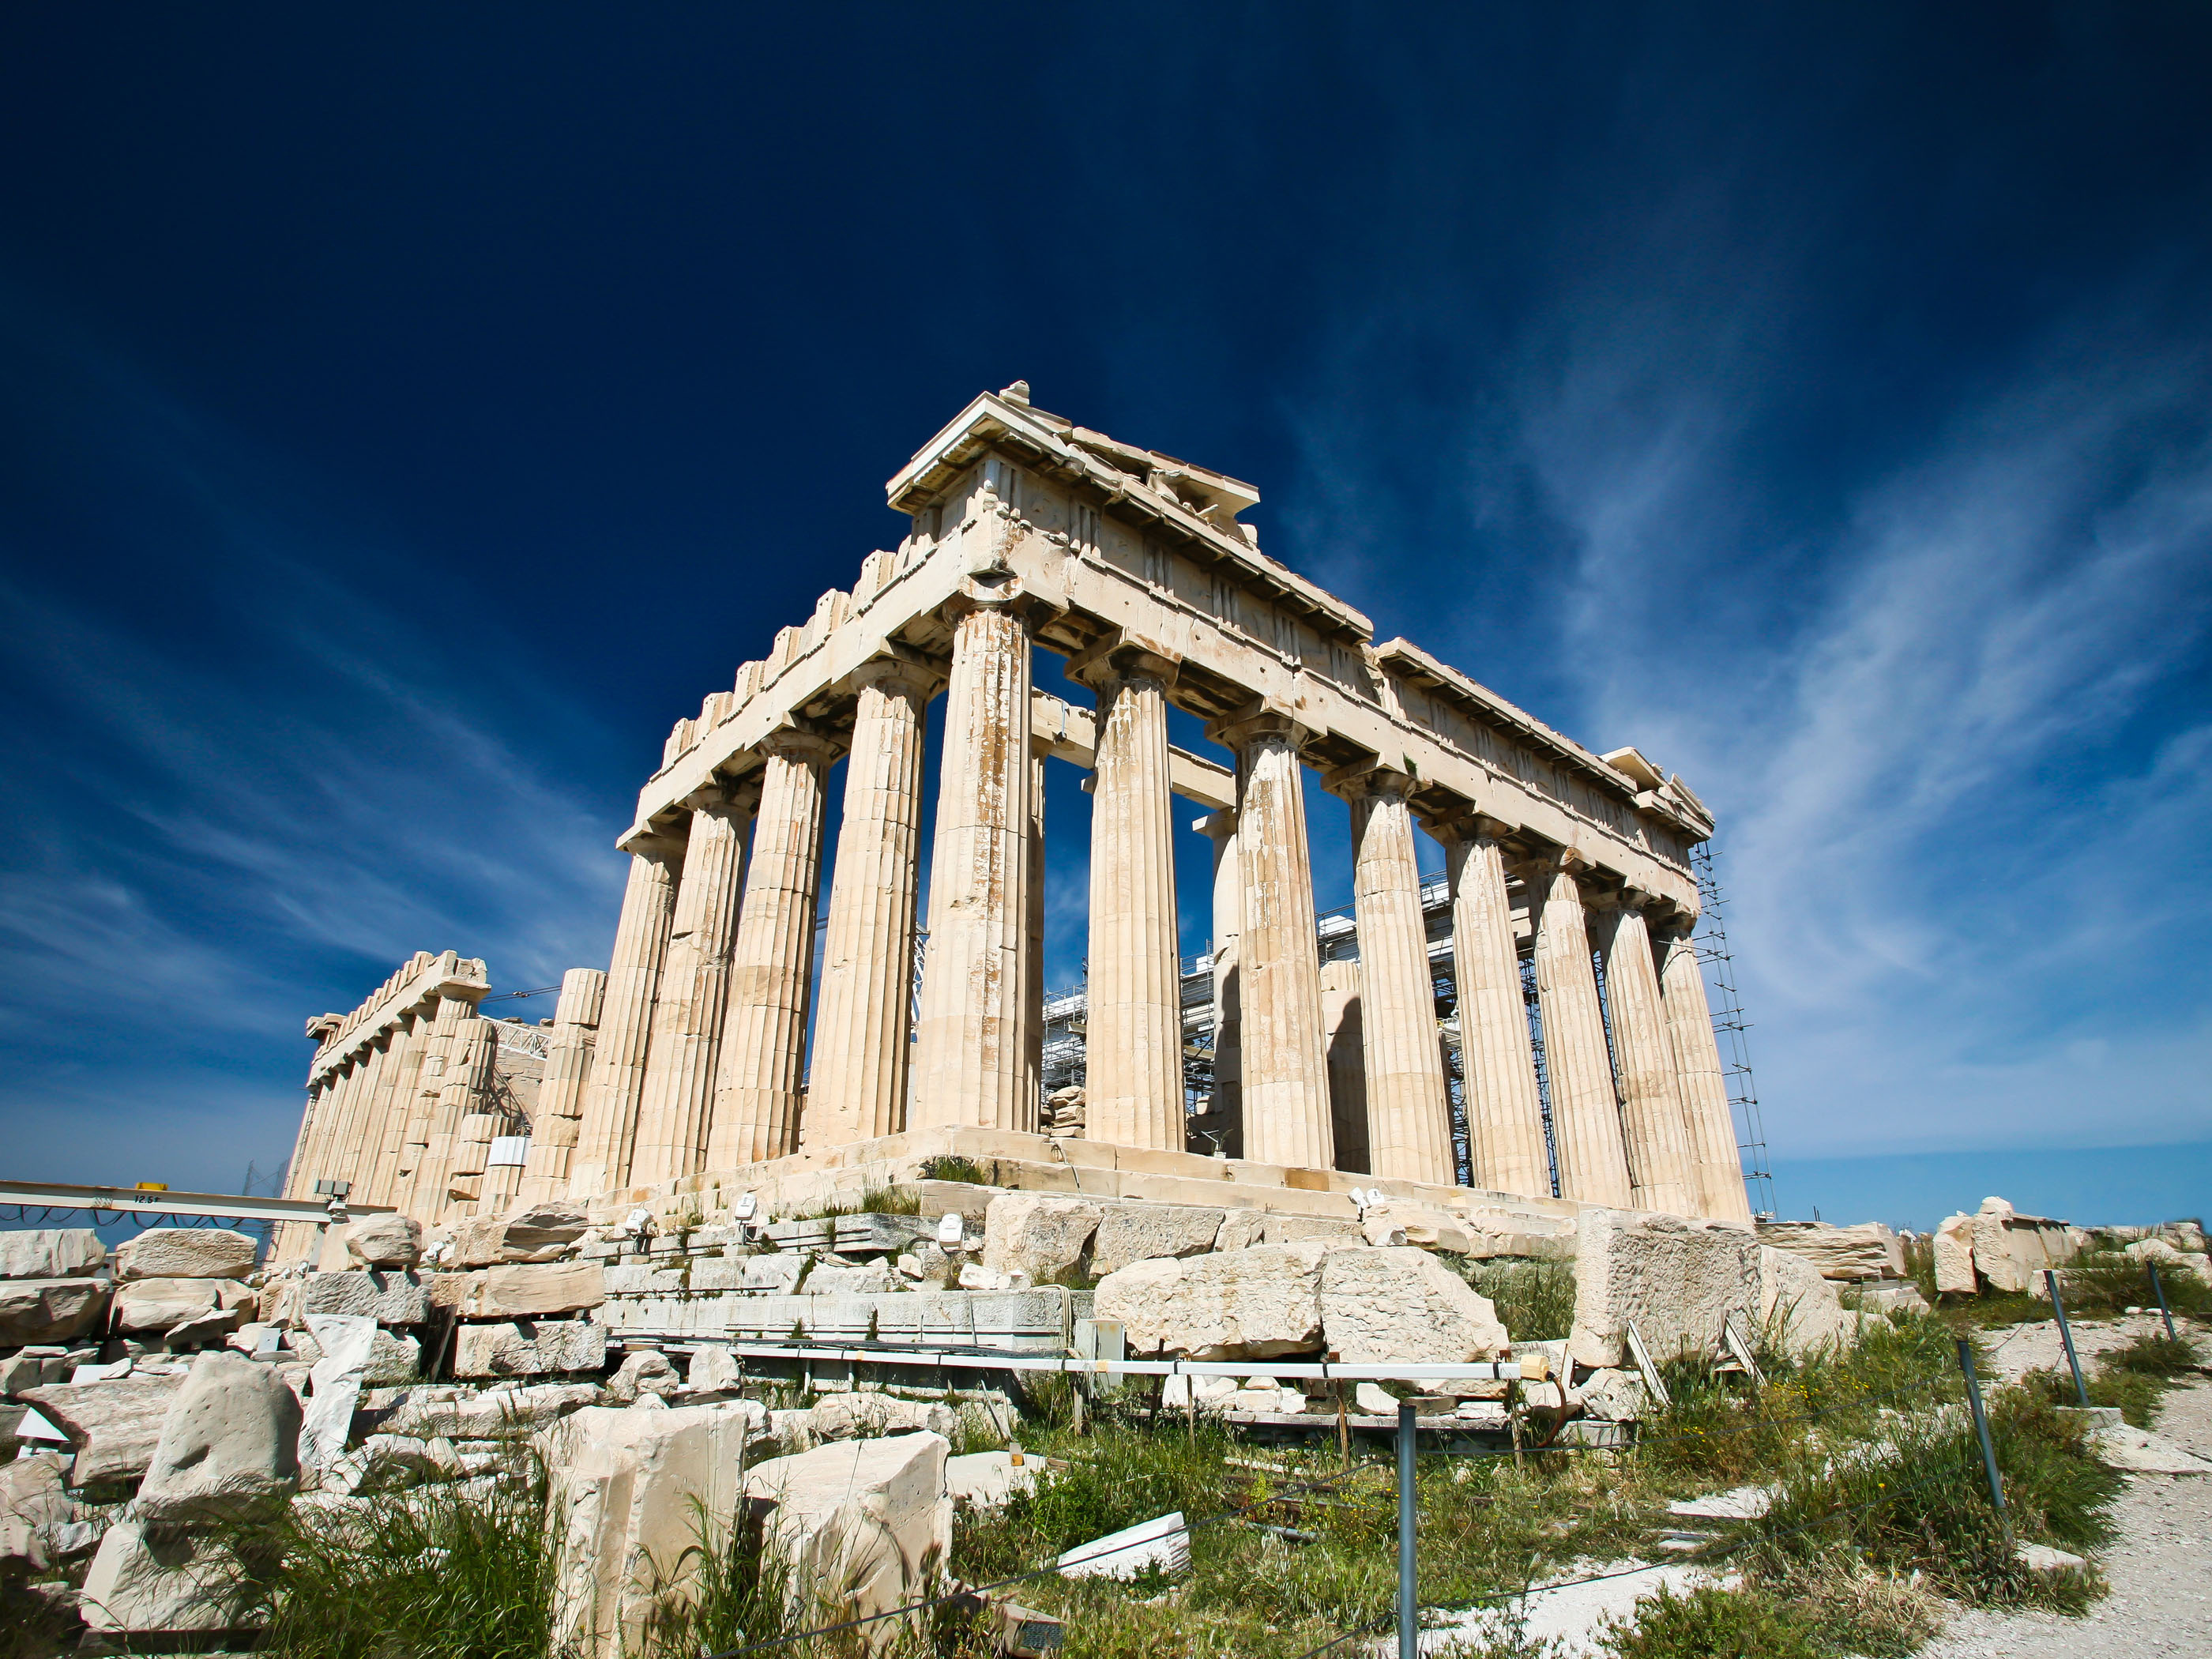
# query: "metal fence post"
[1982,1429]
[1409,1627]
[2066,1335]
[2164,1312]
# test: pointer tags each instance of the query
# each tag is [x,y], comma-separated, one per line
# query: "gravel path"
[2160,1566]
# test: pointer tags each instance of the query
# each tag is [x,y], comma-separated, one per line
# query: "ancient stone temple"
[1534,1028]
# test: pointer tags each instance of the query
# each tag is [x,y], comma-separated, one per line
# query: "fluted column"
[1653,1125]
[317,1160]
[409,1045]
[971,1061]
[1505,1113]
[856,1089]
[555,1130]
[452,1167]
[1132,1088]
[683,1051]
[1227,1106]
[1285,1063]
[763,1058]
[607,1136]
[1343,1035]
[347,1154]
[424,1122]
[1408,1113]
[1585,1111]
[1033,975]
[1713,1147]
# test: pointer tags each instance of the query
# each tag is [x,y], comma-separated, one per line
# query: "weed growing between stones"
[415,1575]
[2133,1378]
[1535,1299]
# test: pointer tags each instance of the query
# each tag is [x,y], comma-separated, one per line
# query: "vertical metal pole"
[2164,1312]
[2066,1335]
[1409,1629]
[1982,1429]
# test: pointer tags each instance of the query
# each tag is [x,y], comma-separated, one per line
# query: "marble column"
[557,1125]
[452,1167]
[1408,1113]
[856,1089]
[346,1154]
[1505,1113]
[1033,986]
[683,1051]
[1705,1108]
[971,1061]
[1653,1124]
[408,1034]
[608,1133]
[763,1058]
[1285,1061]
[1343,1031]
[1585,1110]
[340,1089]
[1133,1089]
[444,1026]
[1227,1106]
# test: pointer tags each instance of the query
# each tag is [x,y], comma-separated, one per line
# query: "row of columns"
[700,1046]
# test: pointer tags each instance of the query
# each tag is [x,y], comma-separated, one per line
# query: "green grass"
[1535,1299]
[948,1167]
[2133,1378]
[421,1575]
[1717,1623]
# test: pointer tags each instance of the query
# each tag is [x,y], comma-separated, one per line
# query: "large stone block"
[229,1443]
[776,1271]
[1677,1278]
[1257,1303]
[186,1253]
[494,1414]
[51,1253]
[114,1425]
[1868,1250]
[156,1582]
[161,1305]
[34,1507]
[542,1228]
[389,1298]
[49,1310]
[527,1347]
[1798,1308]
[393,1360]
[1279,1228]
[1954,1256]
[1037,1234]
[384,1241]
[871,1416]
[865,1522]
[630,1490]
[1378,1305]
[1147,1232]
[533,1289]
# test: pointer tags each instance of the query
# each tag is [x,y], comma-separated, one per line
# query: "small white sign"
[951,1229]
[508,1150]
[747,1207]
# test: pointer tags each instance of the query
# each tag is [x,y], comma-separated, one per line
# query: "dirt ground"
[2160,1564]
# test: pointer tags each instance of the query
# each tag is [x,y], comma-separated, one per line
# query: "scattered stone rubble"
[471,1356]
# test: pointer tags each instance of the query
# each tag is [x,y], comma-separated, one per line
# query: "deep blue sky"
[408,415]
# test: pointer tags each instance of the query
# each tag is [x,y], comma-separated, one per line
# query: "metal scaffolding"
[1729,1026]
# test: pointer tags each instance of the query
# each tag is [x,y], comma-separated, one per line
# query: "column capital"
[1465,823]
[998,589]
[905,675]
[1119,655]
[1361,780]
[798,745]
[1257,725]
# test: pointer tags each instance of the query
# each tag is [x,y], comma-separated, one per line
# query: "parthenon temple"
[1530,1033]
